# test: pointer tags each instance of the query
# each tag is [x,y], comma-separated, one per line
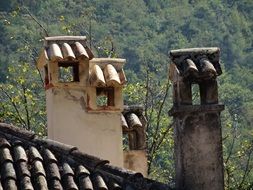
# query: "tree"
[22,98]
[142,32]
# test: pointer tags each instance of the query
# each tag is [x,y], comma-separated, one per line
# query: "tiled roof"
[133,121]
[64,48]
[196,63]
[29,162]
[107,72]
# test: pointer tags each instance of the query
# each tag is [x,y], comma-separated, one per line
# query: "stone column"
[197,129]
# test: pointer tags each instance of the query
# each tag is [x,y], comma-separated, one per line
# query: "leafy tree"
[22,101]
[142,32]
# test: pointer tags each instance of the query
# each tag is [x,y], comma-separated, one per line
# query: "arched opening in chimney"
[46,78]
[195,94]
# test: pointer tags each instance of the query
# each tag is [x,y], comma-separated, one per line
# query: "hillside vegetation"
[142,31]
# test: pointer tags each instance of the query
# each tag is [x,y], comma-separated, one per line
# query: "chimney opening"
[125,141]
[68,71]
[195,94]
[105,97]
[46,78]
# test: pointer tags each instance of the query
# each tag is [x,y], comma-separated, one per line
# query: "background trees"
[142,32]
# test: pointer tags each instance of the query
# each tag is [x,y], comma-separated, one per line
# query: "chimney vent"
[83,97]
[197,131]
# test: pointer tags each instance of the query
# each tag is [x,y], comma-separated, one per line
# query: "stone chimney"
[83,97]
[134,130]
[197,130]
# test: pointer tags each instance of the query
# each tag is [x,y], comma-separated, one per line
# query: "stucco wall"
[136,160]
[97,134]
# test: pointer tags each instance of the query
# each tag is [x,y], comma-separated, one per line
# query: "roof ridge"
[16,131]
[33,139]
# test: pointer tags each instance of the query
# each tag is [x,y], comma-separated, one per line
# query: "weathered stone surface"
[197,132]
[199,152]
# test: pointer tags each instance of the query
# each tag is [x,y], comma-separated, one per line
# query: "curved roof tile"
[67,51]
[133,123]
[64,48]
[54,53]
[97,76]
[112,72]
[111,76]
[197,63]
[108,76]
[28,162]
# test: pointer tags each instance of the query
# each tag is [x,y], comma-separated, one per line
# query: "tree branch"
[26,108]
[33,17]
[163,136]
[247,169]
[158,118]
[233,143]
[156,141]
[21,120]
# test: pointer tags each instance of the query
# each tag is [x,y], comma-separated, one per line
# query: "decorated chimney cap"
[196,63]
[107,72]
[105,83]
[195,67]
[64,61]
[64,48]
[133,124]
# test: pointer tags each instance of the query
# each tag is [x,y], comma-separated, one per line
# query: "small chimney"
[197,130]
[134,130]
[83,97]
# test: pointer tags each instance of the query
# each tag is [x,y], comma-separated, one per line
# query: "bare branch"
[33,17]
[21,120]
[156,141]
[163,136]
[26,107]
[147,93]
[41,79]
[158,117]
[151,155]
[232,145]
[90,33]
[247,169]
[228,178]
[34,60]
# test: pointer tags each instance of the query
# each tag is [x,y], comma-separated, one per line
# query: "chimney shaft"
[197,130]
[134,129]
[84,97]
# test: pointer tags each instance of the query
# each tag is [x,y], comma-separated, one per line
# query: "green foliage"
[22,101]
[153,93]
[142,32]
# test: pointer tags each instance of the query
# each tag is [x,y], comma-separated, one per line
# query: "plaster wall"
[136,160]
[97,134]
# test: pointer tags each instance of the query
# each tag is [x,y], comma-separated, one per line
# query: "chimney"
[83,97]
[197,130]
[134,129]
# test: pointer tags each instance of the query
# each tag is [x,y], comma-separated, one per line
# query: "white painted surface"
[98,134]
